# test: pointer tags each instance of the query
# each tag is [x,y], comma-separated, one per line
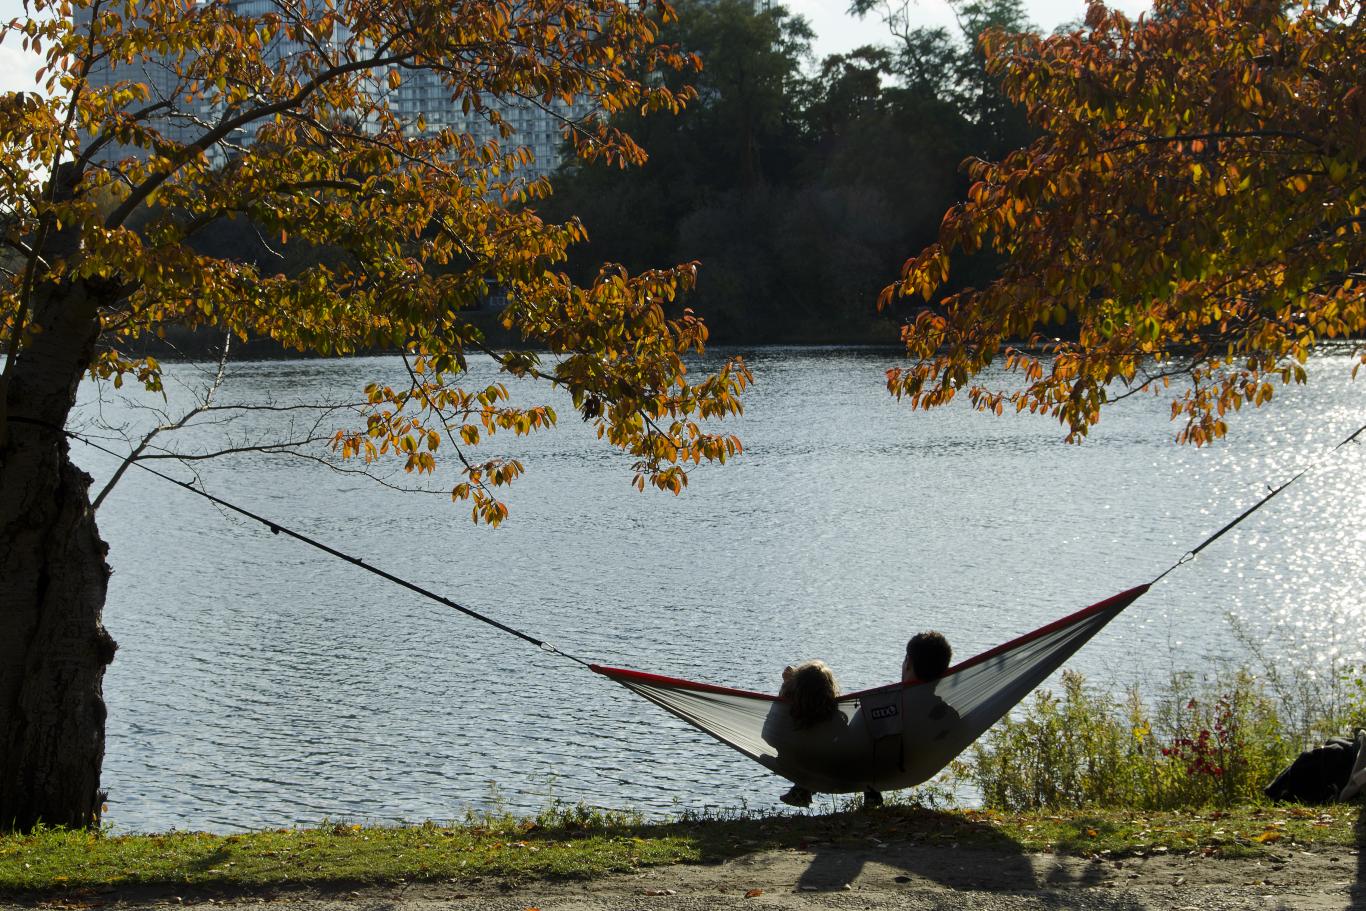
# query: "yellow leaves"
[396,208]
[420,462]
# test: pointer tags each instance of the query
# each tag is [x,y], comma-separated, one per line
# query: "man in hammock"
[928,656]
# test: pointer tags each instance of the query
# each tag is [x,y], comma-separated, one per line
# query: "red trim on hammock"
[621,673]
[1120,601]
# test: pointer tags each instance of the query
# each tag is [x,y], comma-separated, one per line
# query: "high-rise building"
[420,99]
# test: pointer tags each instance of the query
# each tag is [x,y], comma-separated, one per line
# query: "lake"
[261,683]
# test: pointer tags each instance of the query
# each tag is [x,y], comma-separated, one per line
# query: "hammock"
[894,736]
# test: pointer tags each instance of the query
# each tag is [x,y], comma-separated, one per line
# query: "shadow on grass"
[207,862]
[719,840]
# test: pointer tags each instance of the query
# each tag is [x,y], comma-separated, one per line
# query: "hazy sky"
[835,29]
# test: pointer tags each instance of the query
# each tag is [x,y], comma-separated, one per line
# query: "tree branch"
[1214,136]
[146,441]
[226,126]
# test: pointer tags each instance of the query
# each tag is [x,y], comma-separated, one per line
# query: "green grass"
[577,844]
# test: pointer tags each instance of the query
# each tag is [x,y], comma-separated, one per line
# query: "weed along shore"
[896,856]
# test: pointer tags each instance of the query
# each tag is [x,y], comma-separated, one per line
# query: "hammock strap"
[277,529]
[1191,554]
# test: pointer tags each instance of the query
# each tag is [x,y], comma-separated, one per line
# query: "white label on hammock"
[882,713]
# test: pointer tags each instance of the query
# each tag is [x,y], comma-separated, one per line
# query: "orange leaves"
[1185,208]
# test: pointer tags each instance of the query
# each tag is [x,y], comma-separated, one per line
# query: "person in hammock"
[812,694]
[928,656]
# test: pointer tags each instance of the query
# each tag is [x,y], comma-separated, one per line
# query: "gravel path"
[881,876]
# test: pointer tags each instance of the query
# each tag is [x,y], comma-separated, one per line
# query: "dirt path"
[880,876]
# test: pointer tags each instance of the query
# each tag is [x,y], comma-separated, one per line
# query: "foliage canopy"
[1193,211]
[420,224]
[798,188]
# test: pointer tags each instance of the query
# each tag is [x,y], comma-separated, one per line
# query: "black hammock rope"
[278,529]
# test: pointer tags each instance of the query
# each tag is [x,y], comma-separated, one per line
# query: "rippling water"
[261,683]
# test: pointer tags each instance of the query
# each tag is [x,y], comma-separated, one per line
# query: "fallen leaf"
[754,893]
[1269,835]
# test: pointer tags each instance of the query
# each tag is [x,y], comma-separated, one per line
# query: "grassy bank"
[579,845]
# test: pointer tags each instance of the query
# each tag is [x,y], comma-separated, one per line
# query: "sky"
[835,29]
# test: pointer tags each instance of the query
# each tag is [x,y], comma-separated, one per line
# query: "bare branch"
[146,441]
[283,446]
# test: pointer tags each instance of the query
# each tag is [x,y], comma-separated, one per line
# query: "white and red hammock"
[894,736]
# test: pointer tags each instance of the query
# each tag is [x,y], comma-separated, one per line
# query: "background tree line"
[799,187]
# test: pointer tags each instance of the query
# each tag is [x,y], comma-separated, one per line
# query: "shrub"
[1214,743]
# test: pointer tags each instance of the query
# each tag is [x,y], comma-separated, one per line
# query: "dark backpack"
[1316,776]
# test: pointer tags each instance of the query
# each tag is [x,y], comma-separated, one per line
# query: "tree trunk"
[53,646]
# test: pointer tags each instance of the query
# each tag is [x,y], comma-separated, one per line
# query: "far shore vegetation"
[1077,770]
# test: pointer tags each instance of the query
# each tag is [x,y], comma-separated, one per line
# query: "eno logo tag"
[882,711]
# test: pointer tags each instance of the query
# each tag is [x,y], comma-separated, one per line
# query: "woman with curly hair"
[811,693]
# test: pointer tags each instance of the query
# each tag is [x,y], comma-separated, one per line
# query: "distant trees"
[934,62]
[796,190]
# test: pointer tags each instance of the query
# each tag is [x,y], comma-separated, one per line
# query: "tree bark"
[53,578]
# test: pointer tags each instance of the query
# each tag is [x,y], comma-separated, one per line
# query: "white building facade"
[419,99]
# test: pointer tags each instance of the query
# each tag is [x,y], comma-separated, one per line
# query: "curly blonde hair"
[811,692]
